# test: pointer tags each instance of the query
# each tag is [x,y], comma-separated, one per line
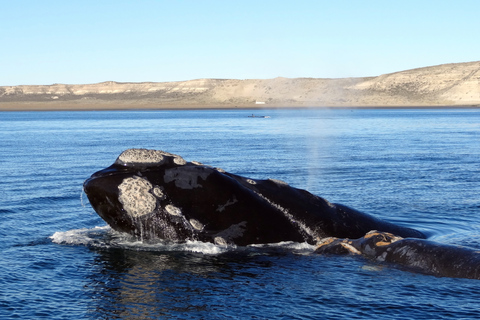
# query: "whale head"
[130,196]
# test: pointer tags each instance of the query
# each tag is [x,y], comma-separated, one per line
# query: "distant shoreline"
[443,86]
[49,106]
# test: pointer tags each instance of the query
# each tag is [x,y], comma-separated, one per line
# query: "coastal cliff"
[456,84]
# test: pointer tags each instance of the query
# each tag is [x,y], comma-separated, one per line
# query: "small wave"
[463,231]
[84,236]
[107,238]
[295,247]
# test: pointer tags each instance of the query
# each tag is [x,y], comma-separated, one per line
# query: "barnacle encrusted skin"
[135,196]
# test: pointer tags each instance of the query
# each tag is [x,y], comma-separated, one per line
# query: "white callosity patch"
[232,232]
[196,224]
[158,192]
[134,194]
[141,156]
[179,160]
[220,241]
[186,177]
[251,181]
[347,245]
[147,156]
[222,207]
[174,211]
[325,241]
[388,237]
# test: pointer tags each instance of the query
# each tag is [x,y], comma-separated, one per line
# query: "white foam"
[105,237]
[80,236]
[296,247]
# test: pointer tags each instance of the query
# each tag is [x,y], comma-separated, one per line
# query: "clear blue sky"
[70,41]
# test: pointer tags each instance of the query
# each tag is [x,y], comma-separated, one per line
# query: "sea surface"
[415,167]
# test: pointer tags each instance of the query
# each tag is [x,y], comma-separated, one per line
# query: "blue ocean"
[415,167]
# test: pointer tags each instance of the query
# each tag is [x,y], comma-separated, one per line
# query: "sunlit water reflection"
[418,168]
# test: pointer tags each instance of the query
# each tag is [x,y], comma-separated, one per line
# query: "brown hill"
[455,84]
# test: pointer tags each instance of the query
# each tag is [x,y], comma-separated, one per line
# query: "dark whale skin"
[153,194]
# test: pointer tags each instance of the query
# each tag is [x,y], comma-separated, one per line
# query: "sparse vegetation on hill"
[455,84]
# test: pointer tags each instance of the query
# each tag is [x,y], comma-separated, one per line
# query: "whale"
[152,194]
[155,195]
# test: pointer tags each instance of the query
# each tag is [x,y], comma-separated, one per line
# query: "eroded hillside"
[444,85]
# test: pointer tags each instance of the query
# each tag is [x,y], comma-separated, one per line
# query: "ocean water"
[59,260]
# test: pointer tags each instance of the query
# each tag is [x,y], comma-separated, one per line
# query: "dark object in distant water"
[254,116]
[157,195]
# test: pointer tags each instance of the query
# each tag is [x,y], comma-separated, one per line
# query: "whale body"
[153,194]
